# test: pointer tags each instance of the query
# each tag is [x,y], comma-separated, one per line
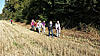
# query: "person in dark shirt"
[50,28]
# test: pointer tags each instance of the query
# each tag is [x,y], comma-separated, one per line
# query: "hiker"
[57,26]
[50,28]
[11,21]
[32,24]
[43,27]
[39,25]
[36,26]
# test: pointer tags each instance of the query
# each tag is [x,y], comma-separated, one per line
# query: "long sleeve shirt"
[57,26]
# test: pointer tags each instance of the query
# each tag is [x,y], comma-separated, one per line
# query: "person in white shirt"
[58,29]
[39,25]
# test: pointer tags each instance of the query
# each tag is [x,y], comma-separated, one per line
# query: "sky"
[2,2]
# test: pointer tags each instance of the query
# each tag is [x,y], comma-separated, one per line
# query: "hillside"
[16,40]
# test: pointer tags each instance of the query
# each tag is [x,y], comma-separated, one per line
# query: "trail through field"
[16,40]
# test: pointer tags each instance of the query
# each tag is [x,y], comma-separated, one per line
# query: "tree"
[69,12]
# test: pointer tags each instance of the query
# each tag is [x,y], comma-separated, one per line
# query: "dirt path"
[16,40]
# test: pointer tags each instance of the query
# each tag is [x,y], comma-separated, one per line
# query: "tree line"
[70,13]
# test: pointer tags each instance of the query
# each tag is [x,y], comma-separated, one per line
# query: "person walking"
[32,24]
[43,27]
[58,29]
[50,28]
[36,26]
[39,25]
[11,21]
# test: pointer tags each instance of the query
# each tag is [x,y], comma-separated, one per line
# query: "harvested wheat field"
[16,40]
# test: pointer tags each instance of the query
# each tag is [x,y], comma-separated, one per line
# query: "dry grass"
[16,40]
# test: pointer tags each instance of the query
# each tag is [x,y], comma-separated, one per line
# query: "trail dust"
[16,40]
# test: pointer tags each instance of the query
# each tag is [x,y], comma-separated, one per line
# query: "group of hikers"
[41,25]
[38,26]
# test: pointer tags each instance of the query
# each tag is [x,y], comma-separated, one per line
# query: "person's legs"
[49,32]
[11,22]
[52,32]
[33,27]
[39,30]
[57,33]
[44,29]
[36,29]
